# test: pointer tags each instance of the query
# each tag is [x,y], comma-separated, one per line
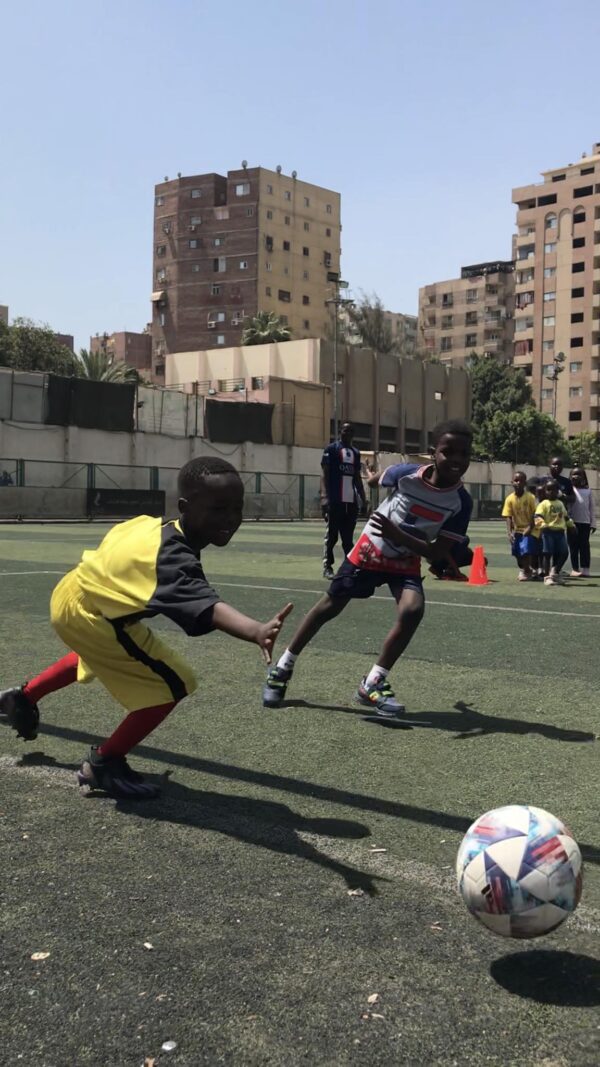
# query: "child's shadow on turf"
[265,823]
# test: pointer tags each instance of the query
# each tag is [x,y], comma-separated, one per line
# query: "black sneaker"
[275,687]
[114,776]
[328,573]
[22,715]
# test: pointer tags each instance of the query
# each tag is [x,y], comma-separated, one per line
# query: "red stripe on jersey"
[426,513]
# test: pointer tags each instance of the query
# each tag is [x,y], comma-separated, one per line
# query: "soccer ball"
[519,871]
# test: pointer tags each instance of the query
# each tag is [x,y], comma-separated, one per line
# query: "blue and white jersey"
[421,509]
[341,464]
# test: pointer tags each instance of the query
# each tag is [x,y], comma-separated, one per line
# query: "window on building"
[284,296]
[287,220]
[577,342]
[286,270]
[220,338]
[546,394]
[575,367]
[287,195]
[446,344]
[328,209]
[306,227]
[218,241]
[577,316]
[195,268]
[195,220]
[577,268]
[192,243]
[269,214]
[284,320]
[549,296]
[305,251]
[249,212]
[215,290]
[578,216]
[269,265]
[470,340]
[549,320]
[470,318]
[161,250]
[327,231]
[162,318]
[547,368]
[269,188]
[472,296]
[549,272]
[243,264]
[215,316]
[195,194]
[575,390]
[306,324]
[258,383]
[305,275]
[558,177]
[242,189]
[437,395]
[574,416]
[286,246]
[446,322]
[306,201]
[391,388]
[549,198]
[578,292]
[578,242]
[159,201]
[221,213]
[305,300]
[161,274]
[327,259]
[548,346]
[586,170]
[550,246]
[219,264]
[584,190]
[551,221]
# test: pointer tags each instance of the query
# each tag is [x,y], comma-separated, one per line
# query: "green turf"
[243,876]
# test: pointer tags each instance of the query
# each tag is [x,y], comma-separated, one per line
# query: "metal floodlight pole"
[334,277]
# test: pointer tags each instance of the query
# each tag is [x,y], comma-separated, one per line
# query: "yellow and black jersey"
[146,567]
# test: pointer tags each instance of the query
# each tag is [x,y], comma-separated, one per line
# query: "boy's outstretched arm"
[431,550]
[263,634]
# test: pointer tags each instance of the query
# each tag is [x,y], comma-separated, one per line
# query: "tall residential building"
[129,347]
[473,313]
[404,332]
[557,249]
[4,314]
[227,247]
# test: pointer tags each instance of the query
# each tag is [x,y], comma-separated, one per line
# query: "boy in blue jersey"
[426,514]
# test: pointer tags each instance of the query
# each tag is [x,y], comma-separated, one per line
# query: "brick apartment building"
[473,313]
[557,291]
[227,247]
[126,346]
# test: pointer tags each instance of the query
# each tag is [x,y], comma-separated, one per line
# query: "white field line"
[319,592]
[438,880]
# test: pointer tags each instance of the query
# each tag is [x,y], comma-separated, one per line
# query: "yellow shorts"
[138,669]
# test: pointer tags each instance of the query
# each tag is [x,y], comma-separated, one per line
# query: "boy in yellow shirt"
[519,510]
[552,517]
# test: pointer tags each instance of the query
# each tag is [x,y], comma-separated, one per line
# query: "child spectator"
[581,511]
[519,510]
[552,518]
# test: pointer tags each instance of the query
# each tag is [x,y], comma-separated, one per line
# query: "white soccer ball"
[519,871]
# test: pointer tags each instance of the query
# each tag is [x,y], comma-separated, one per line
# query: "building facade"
[393,403]
[129,347]
[4,314]
[557,292]
[228,247]
[404,332]
[473,313]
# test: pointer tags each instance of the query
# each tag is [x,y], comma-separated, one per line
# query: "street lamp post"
[337,302]
[557,369]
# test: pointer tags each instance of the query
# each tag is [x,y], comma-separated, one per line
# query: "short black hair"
[519,472]
[194,473]
[551,482]
[454,426]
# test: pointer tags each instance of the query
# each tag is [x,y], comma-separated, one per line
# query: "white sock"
[375,674]
[287,660]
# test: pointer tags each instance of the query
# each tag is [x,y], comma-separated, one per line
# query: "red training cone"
[478,572]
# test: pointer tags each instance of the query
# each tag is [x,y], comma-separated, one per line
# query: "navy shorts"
[524,545]
[554,542]
[360,584]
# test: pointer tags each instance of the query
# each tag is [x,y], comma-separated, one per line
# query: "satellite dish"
[244,163]
[278,168]
[179,174]
[294,174]
[166,178]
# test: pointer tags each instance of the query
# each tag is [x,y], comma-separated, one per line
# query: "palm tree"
[98,367]
[265,328]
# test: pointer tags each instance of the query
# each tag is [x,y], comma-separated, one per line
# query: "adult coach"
[565,485]
[341,489]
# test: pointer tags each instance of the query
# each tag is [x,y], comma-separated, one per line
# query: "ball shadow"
[563,978]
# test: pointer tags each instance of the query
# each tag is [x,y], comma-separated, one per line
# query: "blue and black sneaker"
[275,687]
[379,697]
[114,776]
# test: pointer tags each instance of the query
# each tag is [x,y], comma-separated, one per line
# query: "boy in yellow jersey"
[519,510]
[552,518]
[142,568]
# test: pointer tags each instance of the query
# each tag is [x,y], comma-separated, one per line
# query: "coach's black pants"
[340,523]
[579,545]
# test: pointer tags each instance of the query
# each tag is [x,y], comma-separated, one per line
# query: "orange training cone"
[478,572]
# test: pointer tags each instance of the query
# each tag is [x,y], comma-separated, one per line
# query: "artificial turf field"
[300,861]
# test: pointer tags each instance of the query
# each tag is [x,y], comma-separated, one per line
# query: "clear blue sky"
[423,115]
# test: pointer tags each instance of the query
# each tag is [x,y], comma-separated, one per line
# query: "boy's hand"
[384,528]
[268,632]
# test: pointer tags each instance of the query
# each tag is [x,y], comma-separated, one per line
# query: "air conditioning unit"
[212,392]
[192,229]
[211,325]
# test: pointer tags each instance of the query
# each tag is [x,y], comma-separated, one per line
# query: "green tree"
[525,436]
[27,346]
[369,321]
[97,367]
[585,449]
[496,387]
[265,328]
